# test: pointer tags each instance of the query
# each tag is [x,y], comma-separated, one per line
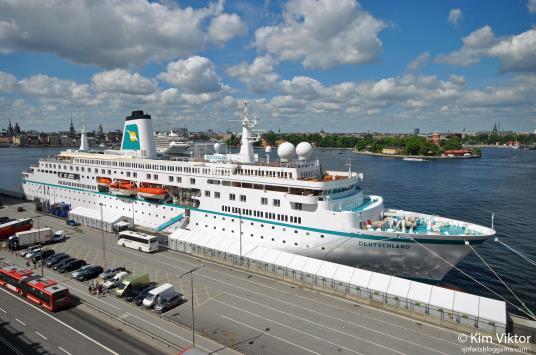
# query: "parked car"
[164,304]
[116,280]
[52,256]
[56,259]
[42,254]
[72,222]
[77,272]
[62,263]
[111,272]
[130,295]
[73,265]
[27,250]
[162,291]
[32,252]
[138,299]
[89,273]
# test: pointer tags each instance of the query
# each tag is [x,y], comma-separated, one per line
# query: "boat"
[152,192]
[123,188]
[290,203]
[413,159]
[103,184]
[171,143]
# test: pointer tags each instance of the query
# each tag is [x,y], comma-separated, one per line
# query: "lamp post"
[191,272]
[240,232]
[102,236]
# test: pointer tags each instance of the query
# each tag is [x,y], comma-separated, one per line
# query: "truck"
[163,290]
[130,283]
[30,237]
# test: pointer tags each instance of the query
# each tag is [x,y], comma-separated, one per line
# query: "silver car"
[111,272]
[75,273]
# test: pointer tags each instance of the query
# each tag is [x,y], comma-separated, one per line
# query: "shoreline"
[426,157]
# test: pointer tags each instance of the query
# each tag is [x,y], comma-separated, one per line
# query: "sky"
[303,65]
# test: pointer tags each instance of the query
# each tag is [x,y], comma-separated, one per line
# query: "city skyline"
[303,65]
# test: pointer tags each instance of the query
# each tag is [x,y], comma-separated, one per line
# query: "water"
[502,181]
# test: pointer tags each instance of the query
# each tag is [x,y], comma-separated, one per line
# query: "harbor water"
[501,182]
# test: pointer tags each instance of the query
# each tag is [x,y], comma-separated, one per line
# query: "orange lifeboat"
[123,188]
[103,184]
[152,192]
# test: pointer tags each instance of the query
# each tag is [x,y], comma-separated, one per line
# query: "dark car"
[164,304]
[73,265]
[89,273]
[55,259]
[51,257]
[138,299]
[133,293]
[41,255]
[62,263]
[72,222]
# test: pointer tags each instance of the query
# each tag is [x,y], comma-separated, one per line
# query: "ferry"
[171,143]
[291,204]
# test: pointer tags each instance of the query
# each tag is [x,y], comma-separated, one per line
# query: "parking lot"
[232,306]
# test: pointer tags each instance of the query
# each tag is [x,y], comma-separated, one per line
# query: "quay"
[234,305]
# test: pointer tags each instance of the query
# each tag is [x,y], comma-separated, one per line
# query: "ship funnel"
[138,135]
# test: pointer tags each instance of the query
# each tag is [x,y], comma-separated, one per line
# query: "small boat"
[123,188]
[152,192]
[103,184]
[413,159]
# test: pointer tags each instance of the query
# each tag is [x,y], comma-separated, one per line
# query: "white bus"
[139,241]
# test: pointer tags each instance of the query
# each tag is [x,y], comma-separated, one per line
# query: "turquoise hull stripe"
[316,230]
[169,223]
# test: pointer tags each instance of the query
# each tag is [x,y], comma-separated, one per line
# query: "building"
[457,153]
[416,131]
[72,132]
[391,150]
[436,138]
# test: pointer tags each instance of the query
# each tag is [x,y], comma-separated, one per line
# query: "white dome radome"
[304,150]
[286,151]
[268,149]
[218,147]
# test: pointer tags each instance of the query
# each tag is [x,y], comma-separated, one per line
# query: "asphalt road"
[232,306]
[27,329]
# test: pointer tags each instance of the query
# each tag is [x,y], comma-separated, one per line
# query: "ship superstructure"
[290,204]
[171,143]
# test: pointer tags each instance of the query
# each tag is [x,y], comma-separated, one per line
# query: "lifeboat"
[123,188]
[103,184]
[152,192]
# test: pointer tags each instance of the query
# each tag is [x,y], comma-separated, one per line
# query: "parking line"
[1,309]
[41,335]
[21,322]
[65,351]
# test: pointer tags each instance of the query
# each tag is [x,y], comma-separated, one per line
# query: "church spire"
[71,128]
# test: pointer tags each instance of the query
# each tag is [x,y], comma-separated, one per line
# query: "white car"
[32,252]
[116,280]
[27,250]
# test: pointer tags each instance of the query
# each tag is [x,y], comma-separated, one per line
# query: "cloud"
[111,33]
[121,81]
[419,62]
[322,34]
[8,82]
[195,74]
[455,15]
[225,27]
[531,5]
[515,53]
[258,76]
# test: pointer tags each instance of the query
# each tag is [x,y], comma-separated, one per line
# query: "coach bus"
[138,241]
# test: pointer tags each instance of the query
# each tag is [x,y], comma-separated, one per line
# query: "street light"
[191,272]
[102,235]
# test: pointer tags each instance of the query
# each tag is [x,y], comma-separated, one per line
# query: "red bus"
[47,293]
[19,225]
[12,276]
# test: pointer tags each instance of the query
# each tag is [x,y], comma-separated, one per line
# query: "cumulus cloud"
[121,81]
[258,76]
[8,82]
[455,15]
[322,34]
[419,62]
[516,53]
[112,33]
[195,74]
[225,27]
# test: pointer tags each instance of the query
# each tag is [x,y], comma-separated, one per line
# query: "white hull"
[152,196]
[123,192]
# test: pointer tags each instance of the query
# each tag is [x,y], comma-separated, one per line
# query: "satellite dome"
[218,147]
[304,150]
[285,151]
[268,149]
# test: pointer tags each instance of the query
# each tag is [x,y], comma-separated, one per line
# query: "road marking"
[9,345]
[65,351]
[21,322]
[41,335]
[271,335]
[1,309]
[61,322]
[300,331]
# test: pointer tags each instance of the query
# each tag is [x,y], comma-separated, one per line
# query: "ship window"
[155,176]
[135,174]
[264,201]
[149,176]
[276,203]
[192,181]
[171,179]
[207,193]
[242,198]
[216,194]
[296,244]
[273,239]
[232,197]
[323,248]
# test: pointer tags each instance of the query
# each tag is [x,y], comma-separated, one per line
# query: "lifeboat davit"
[152,192]
[123,188]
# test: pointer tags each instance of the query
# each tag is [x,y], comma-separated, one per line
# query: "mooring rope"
[517,252]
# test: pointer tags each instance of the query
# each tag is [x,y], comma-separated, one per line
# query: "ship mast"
[246,148]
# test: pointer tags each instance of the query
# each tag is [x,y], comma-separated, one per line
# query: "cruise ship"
[291,203]
[171,143]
